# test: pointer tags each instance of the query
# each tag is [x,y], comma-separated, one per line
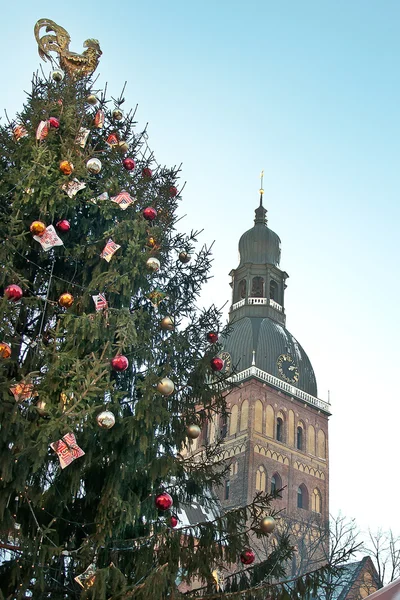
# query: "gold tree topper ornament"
[76,65]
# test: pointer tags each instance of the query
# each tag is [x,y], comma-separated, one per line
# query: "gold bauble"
[41,408]
[153,264]
[165,386]
[184,257]
[5,350]
[122,147]
[91,99]
[118,115]
[167,324]
[37,227]
[66,300]
[193,431]
[267,525]
[66,167]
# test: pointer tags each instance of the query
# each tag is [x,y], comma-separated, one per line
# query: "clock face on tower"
[226,357]
[287,369]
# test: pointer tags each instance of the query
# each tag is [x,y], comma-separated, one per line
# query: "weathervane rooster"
[76,65]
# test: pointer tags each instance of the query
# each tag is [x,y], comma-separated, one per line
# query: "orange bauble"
[5,350]
[66,300]
[66,167]
[37,227]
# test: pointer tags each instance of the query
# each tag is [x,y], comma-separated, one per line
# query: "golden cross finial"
[262,182]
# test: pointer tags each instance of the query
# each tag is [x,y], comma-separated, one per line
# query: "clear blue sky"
[308,91]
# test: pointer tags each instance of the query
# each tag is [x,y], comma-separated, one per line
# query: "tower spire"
[261,213]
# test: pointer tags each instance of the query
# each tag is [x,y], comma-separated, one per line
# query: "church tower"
[277,432]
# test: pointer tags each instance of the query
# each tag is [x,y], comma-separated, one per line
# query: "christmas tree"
[108,369]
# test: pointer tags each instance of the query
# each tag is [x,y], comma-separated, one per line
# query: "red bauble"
[13,292]
[163,501]
[150,213]
[212,337]
[174,521]
[146,172]
[54,122]
[247,557]
[63,225]
[217,364]
[173,191]
[129,164]
[120,363]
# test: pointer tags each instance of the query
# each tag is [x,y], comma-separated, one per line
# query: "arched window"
[233,421]
[300,437]
[321,444]
[273,290]
[224,426]
[290,428]
[233,468]
[311,439]
[244,415]
[242,289]
[258,416]
[316,501]
[302,497]
[269,421]
[227,488]
[257,287]
[261,479]
[279,428]
[276,483]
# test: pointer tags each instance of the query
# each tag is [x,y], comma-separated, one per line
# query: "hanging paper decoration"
[19,132]
[156,297]
[109,250]
[22,391]
[48,239]
[67,450]
[87,578]
[82,137]
[112,140]
[123,199]
[100,302]
[42,130]
[103,196]
[99,119]
[73,187]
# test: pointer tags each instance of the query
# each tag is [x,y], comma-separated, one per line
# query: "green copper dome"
[260,245]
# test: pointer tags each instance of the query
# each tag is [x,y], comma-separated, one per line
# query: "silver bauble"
[57,75]
[94,165]
[105,419]
[153,264]
[165,386]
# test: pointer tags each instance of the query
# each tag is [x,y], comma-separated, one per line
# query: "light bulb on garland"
[105,419]
[37,228]
[5,350]
[13,292]
[267,524]
[66,300]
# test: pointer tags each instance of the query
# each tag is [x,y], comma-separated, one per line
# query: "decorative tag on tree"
[156,297]
[22,391]
[42,130]
[82,137]
[123,199]
[100,302]
[103,196]
[19,132]
[67,450]
[73,187]
[109,250]
[48,239]
[112,140]
[87,578]
[99,119]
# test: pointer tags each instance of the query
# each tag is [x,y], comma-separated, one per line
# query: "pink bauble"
[217,364]
[129,164]
[163,501]
[120,363]
[63,225]
[13,292]
[150,213]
